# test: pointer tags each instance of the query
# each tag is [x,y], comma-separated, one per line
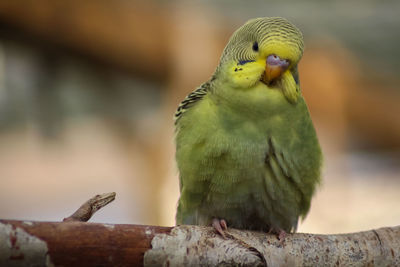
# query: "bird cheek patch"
[245,75]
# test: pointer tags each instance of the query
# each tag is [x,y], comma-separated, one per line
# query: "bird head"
[263,50]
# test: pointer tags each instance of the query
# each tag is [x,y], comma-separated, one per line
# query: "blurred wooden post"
[127,34]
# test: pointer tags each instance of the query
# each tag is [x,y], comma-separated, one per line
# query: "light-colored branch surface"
[200,246]
[24,243]
[86,211]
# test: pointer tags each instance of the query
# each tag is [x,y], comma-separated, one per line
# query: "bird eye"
[255,46]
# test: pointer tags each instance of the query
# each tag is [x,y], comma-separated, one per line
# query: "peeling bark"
[18,246]
[25,243]
[74,243]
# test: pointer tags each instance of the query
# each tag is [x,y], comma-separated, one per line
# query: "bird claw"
[220,226]
[280,234]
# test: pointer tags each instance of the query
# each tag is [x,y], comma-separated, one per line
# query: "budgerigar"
[246,149]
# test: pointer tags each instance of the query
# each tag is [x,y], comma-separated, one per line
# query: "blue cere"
[242,62]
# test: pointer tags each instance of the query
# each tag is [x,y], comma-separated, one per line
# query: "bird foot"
[280,234]
[220,226]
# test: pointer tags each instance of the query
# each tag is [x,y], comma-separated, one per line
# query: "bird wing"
[191,99]
[283,188]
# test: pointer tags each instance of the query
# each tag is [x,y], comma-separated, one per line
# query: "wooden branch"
[86,211]
[25,243]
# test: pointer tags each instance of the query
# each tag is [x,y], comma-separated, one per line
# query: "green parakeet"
[246,149]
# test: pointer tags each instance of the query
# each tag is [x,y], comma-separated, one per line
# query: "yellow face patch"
[245,75]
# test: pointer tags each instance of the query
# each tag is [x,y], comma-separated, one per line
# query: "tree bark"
[27,243]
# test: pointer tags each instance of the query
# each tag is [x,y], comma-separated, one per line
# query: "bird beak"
[274,68]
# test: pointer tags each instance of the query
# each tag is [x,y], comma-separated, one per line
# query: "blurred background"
[88,90]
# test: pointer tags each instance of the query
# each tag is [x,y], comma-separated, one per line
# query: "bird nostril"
[276,61]
[273,60]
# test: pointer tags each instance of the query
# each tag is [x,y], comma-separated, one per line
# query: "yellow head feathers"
[263,50]
[261,37]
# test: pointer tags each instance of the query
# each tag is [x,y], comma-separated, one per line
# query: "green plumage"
[247,151]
